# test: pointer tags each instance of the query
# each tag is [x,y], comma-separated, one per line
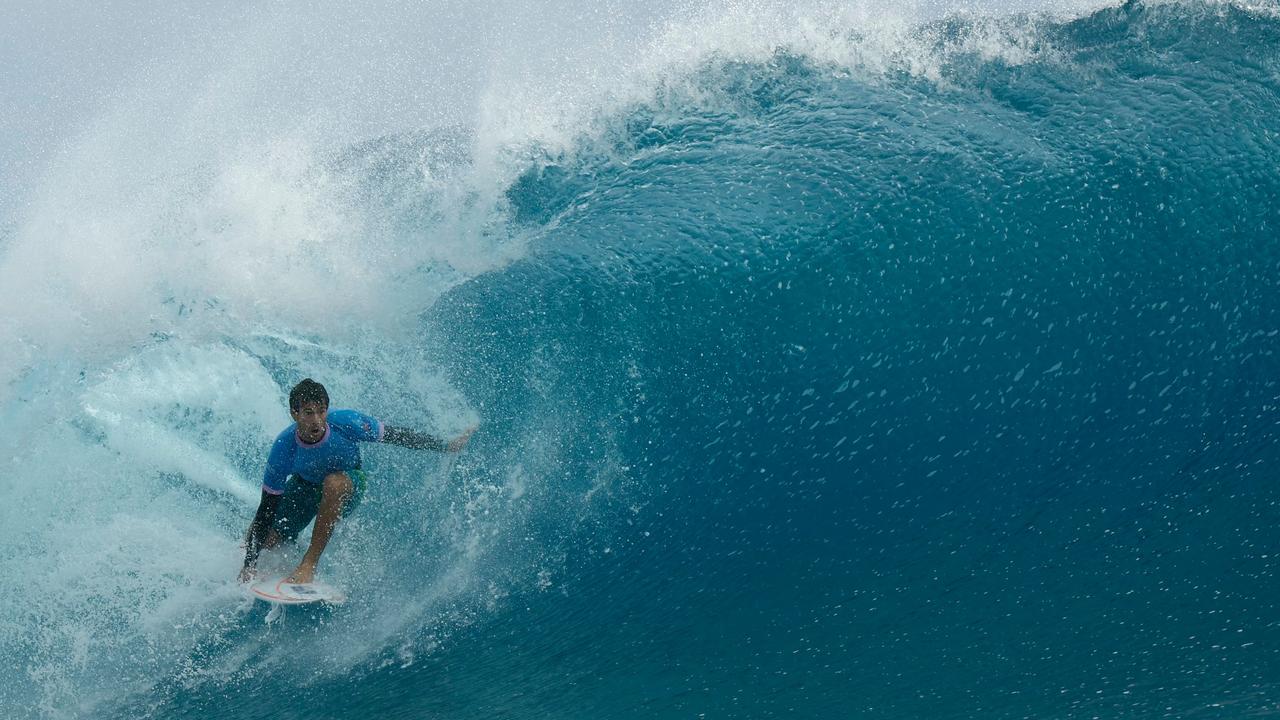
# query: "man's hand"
[456,444]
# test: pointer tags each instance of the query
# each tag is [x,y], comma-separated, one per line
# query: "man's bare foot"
[302,575]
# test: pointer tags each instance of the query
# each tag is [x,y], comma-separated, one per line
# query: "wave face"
[832,379]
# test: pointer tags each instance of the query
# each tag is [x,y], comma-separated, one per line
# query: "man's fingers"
[462,440]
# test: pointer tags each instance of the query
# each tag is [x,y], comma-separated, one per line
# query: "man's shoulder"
[353,421]
[285,442]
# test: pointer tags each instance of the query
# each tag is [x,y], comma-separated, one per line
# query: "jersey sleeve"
[279,463]
[357,426]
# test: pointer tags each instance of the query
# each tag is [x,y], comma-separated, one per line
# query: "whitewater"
[829,359]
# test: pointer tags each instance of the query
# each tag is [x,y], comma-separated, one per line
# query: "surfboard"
[279,592]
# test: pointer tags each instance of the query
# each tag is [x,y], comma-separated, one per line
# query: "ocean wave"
[811,347]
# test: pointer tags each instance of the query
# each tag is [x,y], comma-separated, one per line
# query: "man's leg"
[338,489]
[273,540]
[297,508]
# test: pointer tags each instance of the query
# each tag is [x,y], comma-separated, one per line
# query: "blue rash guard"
[335,452]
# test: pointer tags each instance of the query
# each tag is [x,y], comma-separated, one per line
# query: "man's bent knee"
[339,483]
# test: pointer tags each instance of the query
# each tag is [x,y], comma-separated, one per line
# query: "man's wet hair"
[307,391]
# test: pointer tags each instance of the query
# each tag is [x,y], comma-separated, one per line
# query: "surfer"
[313,471]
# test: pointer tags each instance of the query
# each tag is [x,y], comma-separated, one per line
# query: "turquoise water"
[873,371]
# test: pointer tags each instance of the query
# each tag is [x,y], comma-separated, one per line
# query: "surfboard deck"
[279,592]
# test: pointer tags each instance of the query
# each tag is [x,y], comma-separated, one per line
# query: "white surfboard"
[279,592]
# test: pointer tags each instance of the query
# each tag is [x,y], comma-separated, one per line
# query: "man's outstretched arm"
[257,535]
[412,439]
[415,440]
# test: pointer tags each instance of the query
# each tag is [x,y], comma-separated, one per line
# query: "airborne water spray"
[714,307]
[273,193]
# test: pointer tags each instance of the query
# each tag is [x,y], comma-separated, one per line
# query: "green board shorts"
[301,500]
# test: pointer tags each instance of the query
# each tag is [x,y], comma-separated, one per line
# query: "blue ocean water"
[928,382]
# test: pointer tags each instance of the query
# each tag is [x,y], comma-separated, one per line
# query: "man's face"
[311,418]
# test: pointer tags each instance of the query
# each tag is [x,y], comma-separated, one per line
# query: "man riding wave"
[313,471]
